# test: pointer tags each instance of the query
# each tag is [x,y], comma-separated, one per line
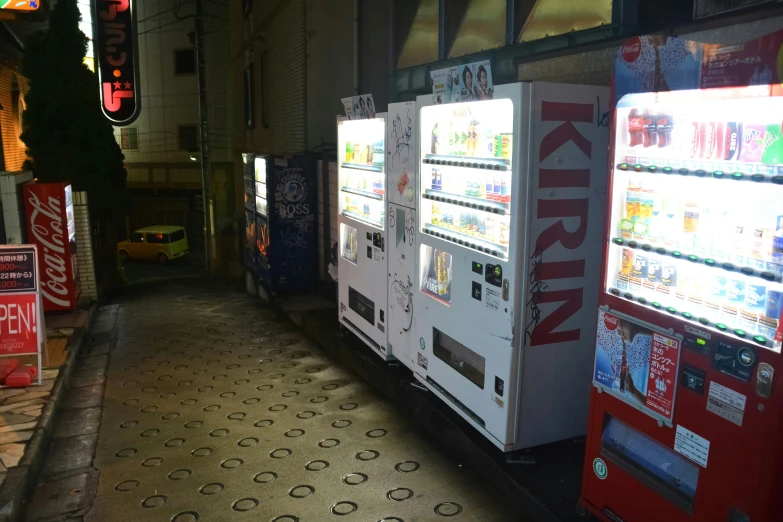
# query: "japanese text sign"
[117,55]
[21,325]
[637,364]
[17,270]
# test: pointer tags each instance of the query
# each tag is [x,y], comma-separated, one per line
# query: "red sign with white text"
[662,377]
[49,211]
[19,324]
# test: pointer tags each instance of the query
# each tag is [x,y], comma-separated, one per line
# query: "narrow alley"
[194,402]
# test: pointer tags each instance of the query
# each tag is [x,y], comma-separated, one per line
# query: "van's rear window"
[179,235]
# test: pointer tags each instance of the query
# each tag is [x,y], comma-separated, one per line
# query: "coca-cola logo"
[46,226]
[632,49]
[611,322]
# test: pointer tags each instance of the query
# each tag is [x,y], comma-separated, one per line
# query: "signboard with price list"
[22,329]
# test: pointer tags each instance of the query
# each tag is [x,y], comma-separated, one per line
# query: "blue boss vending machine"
[285,222]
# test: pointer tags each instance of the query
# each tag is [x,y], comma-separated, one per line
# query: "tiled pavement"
[215,409]
[21,408]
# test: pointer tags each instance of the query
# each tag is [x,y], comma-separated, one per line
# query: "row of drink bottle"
[367,181]
[492,186]
[481,225]
[364,153]
[739,302]
[467,137]
[743,236]
[723,141]
[370,209]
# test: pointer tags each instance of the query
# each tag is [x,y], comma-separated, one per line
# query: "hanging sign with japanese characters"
[17,270]
[637,363]
[117,54]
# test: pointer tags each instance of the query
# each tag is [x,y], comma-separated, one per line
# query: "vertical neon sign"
[117,56]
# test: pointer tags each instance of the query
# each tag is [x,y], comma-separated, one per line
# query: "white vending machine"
[512,197]
[402,182]
[361,264]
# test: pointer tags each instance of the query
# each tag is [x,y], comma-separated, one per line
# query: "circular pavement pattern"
[215,408]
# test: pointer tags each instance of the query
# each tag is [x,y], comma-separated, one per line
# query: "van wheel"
[123,255]
[162,259]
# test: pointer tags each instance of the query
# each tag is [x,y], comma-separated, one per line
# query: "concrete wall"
[14,218]
[329,66]
[84,255]
[170,100]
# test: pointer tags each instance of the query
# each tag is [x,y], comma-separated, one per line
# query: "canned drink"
[489,187]
[774,306]
[640,267]
[735,293]
[654,271]
[496,189]
[506,144]
[627,265]
[755,299]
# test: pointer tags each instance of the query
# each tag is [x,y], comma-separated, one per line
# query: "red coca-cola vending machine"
[51,226]
[686,411]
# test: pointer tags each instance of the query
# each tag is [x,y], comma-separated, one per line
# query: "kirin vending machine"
[51,226]
[686,414]
[510,216]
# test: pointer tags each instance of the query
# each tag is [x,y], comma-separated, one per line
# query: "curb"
[21,479]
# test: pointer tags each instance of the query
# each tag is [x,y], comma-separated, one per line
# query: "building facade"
[162,146]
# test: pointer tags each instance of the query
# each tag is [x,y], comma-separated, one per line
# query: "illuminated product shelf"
[466,240]
[359,166]
[703,321]
[363,193]
[701,173]
[484,205]
[499,164]
[706,262]
[364,219]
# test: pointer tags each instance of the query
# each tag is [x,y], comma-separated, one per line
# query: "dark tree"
[66,135]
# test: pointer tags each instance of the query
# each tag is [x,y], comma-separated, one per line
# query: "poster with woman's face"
[469,82]
[359,107]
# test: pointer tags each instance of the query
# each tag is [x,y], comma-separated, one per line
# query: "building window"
[249,96]
[188,138]
[129,138]
[264,90]
[185,61]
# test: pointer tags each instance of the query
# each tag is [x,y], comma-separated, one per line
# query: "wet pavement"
[212,407]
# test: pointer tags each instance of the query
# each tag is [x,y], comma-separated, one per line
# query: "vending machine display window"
[362,175]
[260,170]
[261,205]
[466,174]
[436,273]
[349,242]
[696,220]
[262,241]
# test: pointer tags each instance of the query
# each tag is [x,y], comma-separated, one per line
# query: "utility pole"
[206,156]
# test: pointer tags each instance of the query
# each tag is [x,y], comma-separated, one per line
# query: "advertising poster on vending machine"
[461,83]
[637,364]
[436,274]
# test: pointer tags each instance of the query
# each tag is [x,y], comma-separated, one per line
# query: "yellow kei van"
[157,243]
